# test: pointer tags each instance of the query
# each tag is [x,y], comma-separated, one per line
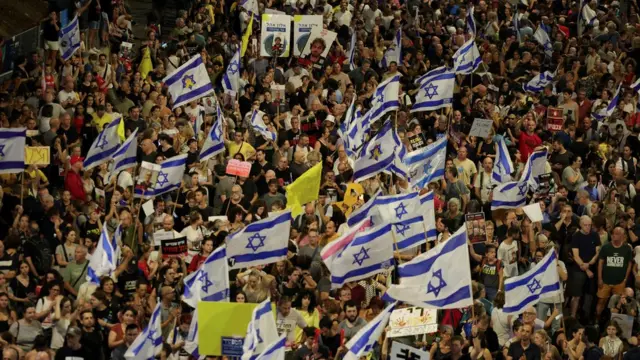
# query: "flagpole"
[24,173]
[175,204]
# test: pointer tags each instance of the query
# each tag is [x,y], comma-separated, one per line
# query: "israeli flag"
[471,22]
[260,243]
[251,6]
[365,340]
[427,209]
[189,82]
[539,82]
[378,155]
[425,79]
[103,261]
[427,164]
[344,127]
[352,50]
[333,248]
[12,145]
[259,126]
[430,281]
[403,212]
[393,53]
[364,212]
[191,342]
[384,99]
[210,282]
[534,167]
[370,253]
[543,39]
[149,343]
[69,39]
[608,111]
[526,290]
[467,59]
[261,331]
[169,177]
[503,167]
[231,78]
[126,155]
[275,350]
[104,146]
[357,133]
[511,195]
[587,15]
[214,143]
[435,92]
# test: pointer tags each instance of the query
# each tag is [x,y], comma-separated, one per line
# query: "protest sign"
[274,37]
[173,247]
[554,119]
[412,321]
[303,25]
[37,155]
[481,127]
[238,168]
[417,141]
[476,227]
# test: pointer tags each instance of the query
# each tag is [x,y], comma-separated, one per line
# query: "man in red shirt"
[73,180]
[529,140]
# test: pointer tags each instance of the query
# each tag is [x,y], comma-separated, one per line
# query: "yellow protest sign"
[222,326]
[37,155]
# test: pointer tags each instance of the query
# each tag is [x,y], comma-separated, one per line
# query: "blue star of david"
[233,67]
[401,228]
[442,284]
[401,210]
[258,336]
[255,237]
[376,152]
[162,178]
[534,285]
[431,90]
[428,167]
[204,280]
[522,189]
[360,257]
[102,141]
[151,334]
[379,98]
[2,150]
[547,47]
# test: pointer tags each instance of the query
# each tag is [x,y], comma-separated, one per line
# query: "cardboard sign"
[555,120]
[417,141]
[174,247]
[412,321]
[37,155]
[476,227]
[238,168]
[158,236]
[481,127]
[400,351]
[626,324]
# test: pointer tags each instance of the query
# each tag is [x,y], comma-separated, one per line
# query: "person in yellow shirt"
[239,146]
[100,117]
[305,303]
[466,168]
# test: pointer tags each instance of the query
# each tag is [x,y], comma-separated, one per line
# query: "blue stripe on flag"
[192,95]
[100,156]
[462,293]
[410,270]
[525,280]
[219,296]
[374,169]
[11,134]
[245,258]
[359,272]
[177,76]
[525,303]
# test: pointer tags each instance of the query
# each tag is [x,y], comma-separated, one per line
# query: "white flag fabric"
[511,195]
[189,82]
[543,39]
[259,126]
[214,143]
[394,52]
[104,146]
[471,22]
[352,50]
[467,59]
[336,246]
[503,167]
[262,242]
[424,79]
[69,39]
[435,92]
[191,342]
[126,155]
[210,282]
[261,331]
[403,212]
[12,145]
[427,209]
[169,177]
[149,342]
[526,290]
[363,342]
[363,212]
[384,99]
[430,281]
[534,167]
[379,154]
[103,261]
[231,78]
[275,350]
[369,253]
[427,164]
[608,111]
[400,351]
[539,82]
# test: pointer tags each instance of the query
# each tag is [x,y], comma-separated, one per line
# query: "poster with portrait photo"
[319,43]
[303,25]
[277,93]
[147,178]
[275,35]
[476,227]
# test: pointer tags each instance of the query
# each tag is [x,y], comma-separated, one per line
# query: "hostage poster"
[275,35]
[303,25]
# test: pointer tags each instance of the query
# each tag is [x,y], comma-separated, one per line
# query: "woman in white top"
[500,320]
[194,234]
[611,344]
[64,315]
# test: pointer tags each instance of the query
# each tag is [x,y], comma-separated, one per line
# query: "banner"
[481,127]
[147,178]
[400,351]
[320,41]
[554,119]
[302,27]
[213,338]
[174,247]
[476,227]
[37,155]
[274,37]
[238,168]
[412,321]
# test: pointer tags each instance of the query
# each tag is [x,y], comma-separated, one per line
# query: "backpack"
[593,353]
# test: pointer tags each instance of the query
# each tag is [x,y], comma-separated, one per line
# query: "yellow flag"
[120,130]
[145,65]
[304,190]
[247,34]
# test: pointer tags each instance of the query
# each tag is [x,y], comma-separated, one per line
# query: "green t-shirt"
[75,274]
[616,262]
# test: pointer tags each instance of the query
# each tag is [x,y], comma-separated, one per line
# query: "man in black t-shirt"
[524,348]
[585,245]
[204,210]
[73,348]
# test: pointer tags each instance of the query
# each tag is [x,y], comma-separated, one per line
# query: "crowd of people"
[52,216]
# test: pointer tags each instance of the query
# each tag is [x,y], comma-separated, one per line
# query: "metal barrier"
[20,44]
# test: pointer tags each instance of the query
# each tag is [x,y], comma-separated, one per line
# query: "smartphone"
[163,45]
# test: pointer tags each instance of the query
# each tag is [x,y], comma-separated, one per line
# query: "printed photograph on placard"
[544,186]
[319,43]
[303,25]
[274,37]
[476,227]
[147,178]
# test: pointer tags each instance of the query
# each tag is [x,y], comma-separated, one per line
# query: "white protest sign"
[158,236]
[533,211]
[412,321]
[481,127]
[400,351]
